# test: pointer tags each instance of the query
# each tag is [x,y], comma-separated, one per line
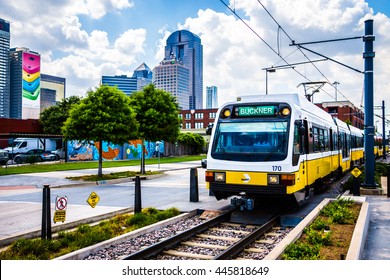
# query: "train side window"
[299,132]
[335,142]
[326,140]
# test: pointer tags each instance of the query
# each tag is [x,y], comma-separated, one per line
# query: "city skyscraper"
[211,97]
[142,76]
[173,77]
[186,47]
[4,69]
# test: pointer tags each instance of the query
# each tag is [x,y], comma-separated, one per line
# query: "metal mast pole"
[383,130]
[369,128]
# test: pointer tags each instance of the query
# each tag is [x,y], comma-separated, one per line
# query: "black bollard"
[137,195]
[194,193]
[356,186]
[46,214]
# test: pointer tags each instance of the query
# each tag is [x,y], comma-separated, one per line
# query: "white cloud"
[72,32]
[132,41]
[96,8]
[234,56]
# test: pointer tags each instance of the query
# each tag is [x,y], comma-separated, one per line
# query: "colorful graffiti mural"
[89,150]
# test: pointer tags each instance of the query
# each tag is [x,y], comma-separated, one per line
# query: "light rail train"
[274,146]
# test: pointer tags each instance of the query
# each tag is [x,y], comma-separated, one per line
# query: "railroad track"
[216,239]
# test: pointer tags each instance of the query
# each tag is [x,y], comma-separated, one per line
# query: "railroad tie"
[218,237]
[204,245]
[254,250]
[188,255]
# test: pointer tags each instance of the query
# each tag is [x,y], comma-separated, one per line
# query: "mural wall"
[89,150]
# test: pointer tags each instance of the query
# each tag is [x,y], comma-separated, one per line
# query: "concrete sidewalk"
[21,218]
[58,178]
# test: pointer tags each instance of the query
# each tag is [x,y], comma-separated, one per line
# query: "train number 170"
[276,168]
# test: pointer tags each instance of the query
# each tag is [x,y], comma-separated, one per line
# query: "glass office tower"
[4,69]
[142,76]
[211,97]
[186,47]
[173,77]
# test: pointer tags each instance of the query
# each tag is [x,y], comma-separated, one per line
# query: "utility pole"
[369,129]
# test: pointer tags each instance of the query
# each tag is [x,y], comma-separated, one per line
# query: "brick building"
[345,111]
[197,118]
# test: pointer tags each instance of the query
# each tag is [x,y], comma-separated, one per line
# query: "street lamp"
[335,86]
[273,70]
[270,70]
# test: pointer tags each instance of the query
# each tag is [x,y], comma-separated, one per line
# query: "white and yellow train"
[278,145]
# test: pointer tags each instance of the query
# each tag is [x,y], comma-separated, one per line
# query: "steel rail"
[240,245]
[157,248]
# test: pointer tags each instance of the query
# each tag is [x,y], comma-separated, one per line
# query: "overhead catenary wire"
[289,37]
[268,45]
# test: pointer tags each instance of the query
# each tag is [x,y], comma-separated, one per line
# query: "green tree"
[104,115]
[194,140]
[158,115]
[53,118]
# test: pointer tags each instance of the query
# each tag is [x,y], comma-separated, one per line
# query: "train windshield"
[251,141]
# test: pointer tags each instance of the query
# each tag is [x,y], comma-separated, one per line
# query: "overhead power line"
[264,41]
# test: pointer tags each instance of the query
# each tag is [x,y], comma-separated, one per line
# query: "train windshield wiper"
[271,152]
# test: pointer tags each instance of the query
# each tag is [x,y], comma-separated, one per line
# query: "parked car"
[59,153]
[34,155]
[4,157]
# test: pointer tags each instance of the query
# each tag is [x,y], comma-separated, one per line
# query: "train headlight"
[226,113]
[273,180]
[285,111]
[220,177]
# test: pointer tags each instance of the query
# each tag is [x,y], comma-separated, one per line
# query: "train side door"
[300,150]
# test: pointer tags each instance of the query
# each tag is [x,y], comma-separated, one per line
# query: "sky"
[82,40]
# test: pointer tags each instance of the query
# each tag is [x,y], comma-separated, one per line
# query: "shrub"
[85,235]
[301,251]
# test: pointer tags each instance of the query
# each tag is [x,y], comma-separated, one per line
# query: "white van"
[23,145]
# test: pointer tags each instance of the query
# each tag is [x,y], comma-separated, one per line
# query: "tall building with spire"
[4,69]
[143,75]
[187,48]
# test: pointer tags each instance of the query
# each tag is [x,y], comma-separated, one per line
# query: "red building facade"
[345,111]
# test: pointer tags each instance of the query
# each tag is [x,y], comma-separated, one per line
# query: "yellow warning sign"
[356,172]
[93,199]
[59,216]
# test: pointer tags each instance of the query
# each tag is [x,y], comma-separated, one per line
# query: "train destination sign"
[248,111]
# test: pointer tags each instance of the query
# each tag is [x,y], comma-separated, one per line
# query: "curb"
[107,182]
[359,236]
[82,253]
[60,227]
